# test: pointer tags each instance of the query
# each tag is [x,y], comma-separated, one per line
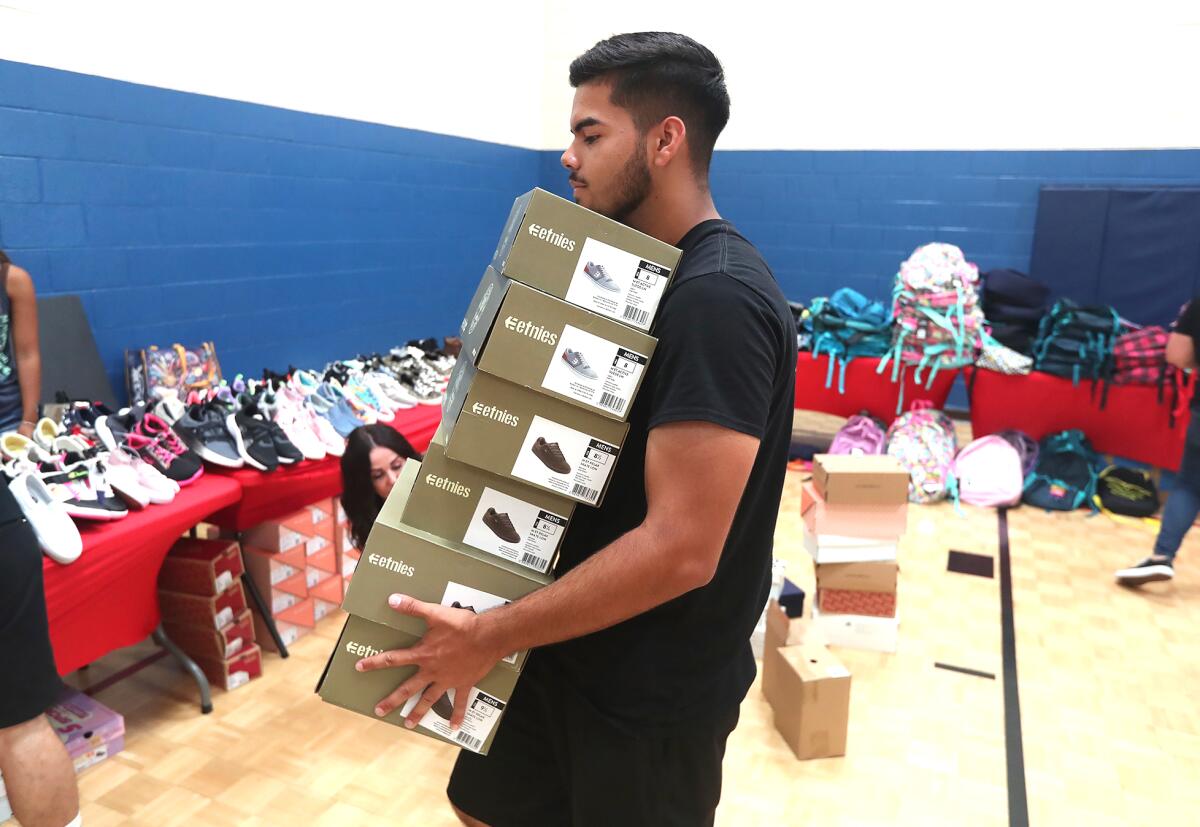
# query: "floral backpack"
[923,440]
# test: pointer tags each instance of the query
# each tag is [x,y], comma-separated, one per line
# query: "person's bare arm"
[695,475]
[1181,351]
[23,301]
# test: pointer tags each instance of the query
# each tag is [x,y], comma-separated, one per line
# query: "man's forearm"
[630,576]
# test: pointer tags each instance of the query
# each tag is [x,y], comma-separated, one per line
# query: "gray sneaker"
[204,429]
[577,363]
[599,275]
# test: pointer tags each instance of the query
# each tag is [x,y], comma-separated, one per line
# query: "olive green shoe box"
[532,339]
[400,559]
[551,244]
[453,500]
[501,427]
[343,685]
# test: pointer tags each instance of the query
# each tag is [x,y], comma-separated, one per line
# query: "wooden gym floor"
[1110,729]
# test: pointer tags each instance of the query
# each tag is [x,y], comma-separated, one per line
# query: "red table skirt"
[865,389]
[284,490]
[108,597]
[1133,424]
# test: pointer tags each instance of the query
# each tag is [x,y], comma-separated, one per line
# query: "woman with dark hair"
[375,455]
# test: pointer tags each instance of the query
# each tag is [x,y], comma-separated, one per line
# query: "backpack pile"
[1065,475]
[862,434]
[923,441]
[845,326]
[1014,304]
[1077,342]
[1025,446]
[1127,492]
[935,304]
[988,473]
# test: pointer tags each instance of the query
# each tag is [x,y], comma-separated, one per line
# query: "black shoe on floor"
[1150,570]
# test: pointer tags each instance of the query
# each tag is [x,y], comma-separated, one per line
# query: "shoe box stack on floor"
[94,464]
[554,348]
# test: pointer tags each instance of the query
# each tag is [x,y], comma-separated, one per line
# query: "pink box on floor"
[90,731]
[878,522]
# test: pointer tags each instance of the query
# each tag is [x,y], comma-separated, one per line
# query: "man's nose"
[569,160]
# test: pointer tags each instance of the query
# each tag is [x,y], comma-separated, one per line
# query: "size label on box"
[313,576]
[565,460]
[594,371]
[223,618]
[224,581]
[233,647]
[483,712]
[617,284]
[315,544]
[236,679]
[515,530]
[281,601]
[280,572]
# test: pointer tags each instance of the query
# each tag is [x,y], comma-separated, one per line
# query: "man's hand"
[453,654]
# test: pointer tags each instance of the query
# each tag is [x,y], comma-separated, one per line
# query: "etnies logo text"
[548,235]
[448,485]
[533,331]
[391,564]
[498,414]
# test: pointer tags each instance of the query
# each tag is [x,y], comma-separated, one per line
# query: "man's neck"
[669,215]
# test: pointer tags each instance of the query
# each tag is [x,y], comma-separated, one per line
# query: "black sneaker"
[285,450]
[203,429]
[256,446]
[1150,570]
[113,428]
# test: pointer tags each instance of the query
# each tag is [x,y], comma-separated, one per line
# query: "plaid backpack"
[923,441]
[1077,342]
[1065,476]
[845,326]
[1140,357]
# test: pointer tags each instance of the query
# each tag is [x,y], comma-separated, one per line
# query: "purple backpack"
[1027,448]
[988,472]
[860,435]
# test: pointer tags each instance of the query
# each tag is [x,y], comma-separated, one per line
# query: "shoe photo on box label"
[483,711]
[617,284]
[535,531]
[594,371]
[565,460]
[458,596]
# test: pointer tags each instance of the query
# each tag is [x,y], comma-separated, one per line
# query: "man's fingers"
[389,659]
[400,696]
[406,605]
[434,697]
[460,706]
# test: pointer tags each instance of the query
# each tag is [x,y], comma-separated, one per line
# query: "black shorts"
[29,681]
[556,761]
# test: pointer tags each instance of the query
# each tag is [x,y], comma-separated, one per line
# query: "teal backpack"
[1064,477]
[845,326]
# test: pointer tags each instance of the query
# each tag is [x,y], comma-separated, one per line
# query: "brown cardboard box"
[783,630]
[203,567]
[282,584]
[292,624]
[843,479]
[881,522]
[233,672]
[809,691]
[201,642]
[862,577]
[215,612]
[328,588]
[312,526]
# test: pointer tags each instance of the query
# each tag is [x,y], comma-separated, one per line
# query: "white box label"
[483,711]
[538,532]
[223,618]
[629,289]
[589,461]
[458,596]
[224,581]
[594,371]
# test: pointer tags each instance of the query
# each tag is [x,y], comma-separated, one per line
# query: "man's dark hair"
[4,259]
[658,74]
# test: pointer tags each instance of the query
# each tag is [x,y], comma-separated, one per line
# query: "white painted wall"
[806,74]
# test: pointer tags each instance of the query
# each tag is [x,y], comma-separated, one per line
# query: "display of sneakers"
[501,525]
[385,387]
[1150,570]
[252,434]
[305,381]
[170,409]
[79,495]
[181,470]
[46,432]
[154,427]
[295,421]
[82,417]
[204,430]
[160,488]
[124,481]
[18,446]
[286,448]
[51,523]
[111,429]
[551,456]
[575,361]
[600,277]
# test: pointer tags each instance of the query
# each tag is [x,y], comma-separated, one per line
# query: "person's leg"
[38,774]
[1183,505]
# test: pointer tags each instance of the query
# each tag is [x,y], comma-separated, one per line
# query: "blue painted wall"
[284,237]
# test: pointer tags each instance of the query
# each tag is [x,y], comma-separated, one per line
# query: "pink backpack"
[860,435]
[988,471]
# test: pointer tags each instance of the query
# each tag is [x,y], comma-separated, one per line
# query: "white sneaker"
[383,384]
[19,446]
[124,480]
[298,431]
[46,432]
[162,489]
[56,533]
[170,408]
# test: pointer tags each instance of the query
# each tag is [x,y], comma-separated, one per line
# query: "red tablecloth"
[866,390]
[108,597]
[284,490]
[1132,424]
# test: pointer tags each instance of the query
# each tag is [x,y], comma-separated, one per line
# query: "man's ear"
[669,139]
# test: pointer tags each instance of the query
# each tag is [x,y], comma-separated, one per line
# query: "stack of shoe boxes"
[554,349]
[855,511]
[294,563]
[348,555]
[204,610]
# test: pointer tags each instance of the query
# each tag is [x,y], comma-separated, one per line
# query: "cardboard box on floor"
[292,623]
[215,612]
[525,336]
[203,567]
[857,588]
[453,500]
[199,641]
[342,685]
[553,244]
[501,427]
[809,692]
[401,559]
[234,672]
[878,522]
[844,479]
[871,634]
[281,579]
[837,549]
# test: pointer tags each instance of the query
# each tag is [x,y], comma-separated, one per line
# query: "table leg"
[264,612]
[160,637]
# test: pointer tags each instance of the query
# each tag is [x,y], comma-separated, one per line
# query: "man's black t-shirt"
[1188,324]
[726,354]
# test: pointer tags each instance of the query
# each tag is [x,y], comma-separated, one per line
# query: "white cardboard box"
[873,634]
[833,548]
